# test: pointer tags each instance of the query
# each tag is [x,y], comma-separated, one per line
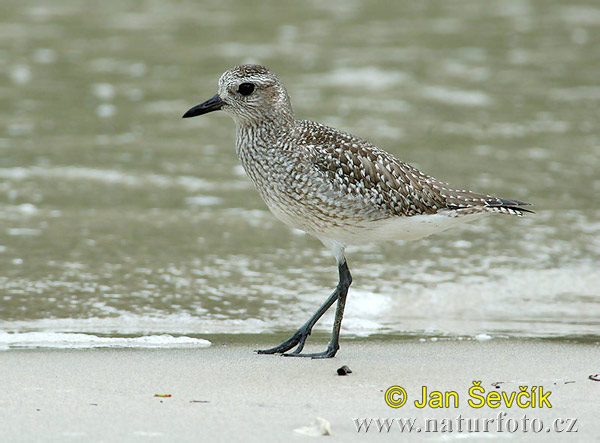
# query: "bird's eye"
[246,88]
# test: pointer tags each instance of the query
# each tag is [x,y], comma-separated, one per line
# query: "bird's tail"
[510,207]
[470,202]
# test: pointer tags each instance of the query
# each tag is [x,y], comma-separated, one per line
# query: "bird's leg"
[334,343]
[300,336]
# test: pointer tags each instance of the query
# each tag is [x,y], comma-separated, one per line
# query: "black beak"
[212,104]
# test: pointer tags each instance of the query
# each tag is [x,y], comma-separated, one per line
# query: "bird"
[332,185]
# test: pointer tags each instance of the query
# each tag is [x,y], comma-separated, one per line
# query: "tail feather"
[513,207]
[470,202]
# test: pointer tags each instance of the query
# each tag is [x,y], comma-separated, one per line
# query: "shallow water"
[118,217]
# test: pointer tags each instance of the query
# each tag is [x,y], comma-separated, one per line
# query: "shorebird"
[337,187]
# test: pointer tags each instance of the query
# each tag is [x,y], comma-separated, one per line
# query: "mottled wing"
[357,168]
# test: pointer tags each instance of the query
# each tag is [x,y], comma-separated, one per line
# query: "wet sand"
[228,393]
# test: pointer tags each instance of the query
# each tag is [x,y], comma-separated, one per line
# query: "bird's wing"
[355,168]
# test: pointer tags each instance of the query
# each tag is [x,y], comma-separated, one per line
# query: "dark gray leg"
[300,336]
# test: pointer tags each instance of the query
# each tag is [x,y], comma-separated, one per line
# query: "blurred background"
[118,217]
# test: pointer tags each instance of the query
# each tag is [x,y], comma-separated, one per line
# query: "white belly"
[396,228]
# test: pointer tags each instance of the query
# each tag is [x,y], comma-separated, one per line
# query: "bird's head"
[251,94]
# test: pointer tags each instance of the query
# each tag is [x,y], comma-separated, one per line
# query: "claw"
[329,353]
[298,339]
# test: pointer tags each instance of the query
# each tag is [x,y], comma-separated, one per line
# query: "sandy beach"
[228,393]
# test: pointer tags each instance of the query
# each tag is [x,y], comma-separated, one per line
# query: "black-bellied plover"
[333,185]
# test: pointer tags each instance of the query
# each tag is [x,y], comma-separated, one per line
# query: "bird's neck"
[262,133]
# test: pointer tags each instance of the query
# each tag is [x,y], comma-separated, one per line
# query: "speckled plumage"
[333,185]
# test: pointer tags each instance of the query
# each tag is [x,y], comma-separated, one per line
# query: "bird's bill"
[212,104]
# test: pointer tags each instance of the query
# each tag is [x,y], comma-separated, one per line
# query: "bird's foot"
[297,340]
[328,353]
